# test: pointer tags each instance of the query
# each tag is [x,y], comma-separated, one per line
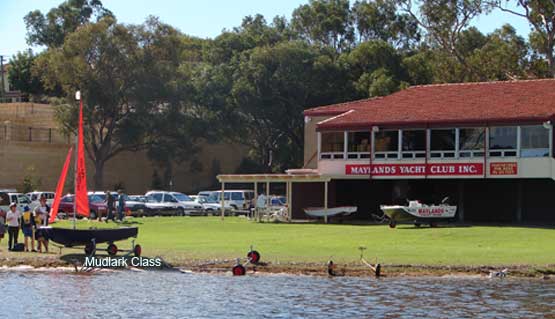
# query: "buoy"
[112,249]
[238,270]
[137,250]
[253,256]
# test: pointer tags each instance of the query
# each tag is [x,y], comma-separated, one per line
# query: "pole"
[78,96]
[326,202]
[255,201]
[222,201]
[2,74]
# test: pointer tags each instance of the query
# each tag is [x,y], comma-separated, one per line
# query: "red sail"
[81,197]
[60,188]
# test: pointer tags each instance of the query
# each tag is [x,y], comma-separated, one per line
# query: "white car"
[36,195]
[240,200]
[13,197]
[183,203]
[212,206]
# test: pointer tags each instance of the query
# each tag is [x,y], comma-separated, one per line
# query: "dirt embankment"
[53,260]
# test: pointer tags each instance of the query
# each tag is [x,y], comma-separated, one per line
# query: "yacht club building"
[487,146]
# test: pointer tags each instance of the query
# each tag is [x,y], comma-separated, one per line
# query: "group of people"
[31,224]
[110,204]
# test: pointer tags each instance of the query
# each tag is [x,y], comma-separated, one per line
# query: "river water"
[170,294]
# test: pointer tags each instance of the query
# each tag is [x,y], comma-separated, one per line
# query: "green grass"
[200,238]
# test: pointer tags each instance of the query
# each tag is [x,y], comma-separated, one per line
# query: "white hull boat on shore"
[418,213]
[329,212]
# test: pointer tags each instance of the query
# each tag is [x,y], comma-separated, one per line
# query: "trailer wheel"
[90,249]
[392,224]
[137,250]
[238,270]
[112,249]
[253,256]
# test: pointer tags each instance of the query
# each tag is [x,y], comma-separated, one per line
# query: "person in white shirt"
[12,218]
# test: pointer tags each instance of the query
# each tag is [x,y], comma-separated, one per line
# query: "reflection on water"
[170,295]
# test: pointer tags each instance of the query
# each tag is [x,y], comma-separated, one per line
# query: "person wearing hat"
[27,222]
[12,217]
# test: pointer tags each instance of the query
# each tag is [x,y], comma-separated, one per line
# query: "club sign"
[444,169]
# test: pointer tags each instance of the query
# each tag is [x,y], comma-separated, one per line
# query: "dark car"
[96,206]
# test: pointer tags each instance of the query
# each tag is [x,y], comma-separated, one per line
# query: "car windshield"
[209,200]
[95,199]
[182,197]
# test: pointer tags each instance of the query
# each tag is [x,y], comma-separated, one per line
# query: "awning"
[273,178]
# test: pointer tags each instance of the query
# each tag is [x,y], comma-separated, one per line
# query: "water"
[171,295]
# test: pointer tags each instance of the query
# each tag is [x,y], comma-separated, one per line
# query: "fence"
[21,133]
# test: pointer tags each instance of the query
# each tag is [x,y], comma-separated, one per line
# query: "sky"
[205,18]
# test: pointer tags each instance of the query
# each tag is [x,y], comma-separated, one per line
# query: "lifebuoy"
[253,256]
[238,270]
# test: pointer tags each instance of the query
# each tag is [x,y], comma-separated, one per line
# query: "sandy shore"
[34,261]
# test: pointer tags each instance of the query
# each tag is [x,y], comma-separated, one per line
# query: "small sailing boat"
[73,237]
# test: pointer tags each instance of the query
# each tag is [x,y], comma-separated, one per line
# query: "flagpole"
[77,97]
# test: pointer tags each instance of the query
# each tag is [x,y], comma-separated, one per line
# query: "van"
[237,199]
[7,197]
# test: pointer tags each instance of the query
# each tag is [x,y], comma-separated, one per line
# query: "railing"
[502,153]
[358,155]
[20,133]
[413,154]
[332,155]
[471,153]
[386,155]
[442,154]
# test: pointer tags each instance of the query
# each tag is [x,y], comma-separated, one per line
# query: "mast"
[78,98]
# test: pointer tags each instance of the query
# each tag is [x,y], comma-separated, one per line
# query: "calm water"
[170,295]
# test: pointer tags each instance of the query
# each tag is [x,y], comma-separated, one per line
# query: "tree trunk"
[98,175]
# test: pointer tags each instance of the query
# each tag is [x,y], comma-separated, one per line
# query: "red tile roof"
[476,103]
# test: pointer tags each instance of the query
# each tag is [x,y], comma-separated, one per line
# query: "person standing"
[27,227]
[2,224]
[12,217]
[109,206]
[41,216]
[121,204]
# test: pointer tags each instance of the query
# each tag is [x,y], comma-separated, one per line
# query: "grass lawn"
[200,238]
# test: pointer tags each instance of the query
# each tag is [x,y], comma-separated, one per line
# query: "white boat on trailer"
[330,212]
[418,213]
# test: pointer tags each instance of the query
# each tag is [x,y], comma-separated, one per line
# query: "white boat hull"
[408,213]
[329,212]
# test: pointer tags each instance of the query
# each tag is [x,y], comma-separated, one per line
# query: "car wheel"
[180,212]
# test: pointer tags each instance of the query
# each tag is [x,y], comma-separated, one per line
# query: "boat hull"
[329,212]
[407,213]
[80,237]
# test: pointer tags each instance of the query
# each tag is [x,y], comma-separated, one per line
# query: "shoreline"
[54,261]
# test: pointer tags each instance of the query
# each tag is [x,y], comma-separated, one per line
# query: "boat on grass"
[330,212]
[418,213]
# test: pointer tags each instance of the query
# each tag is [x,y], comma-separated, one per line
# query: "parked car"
[11,196]
[136,204]
[184,204]
[239,200]
[96,206]
[212,206]
[36,195]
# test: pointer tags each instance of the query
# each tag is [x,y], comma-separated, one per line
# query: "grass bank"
[185,240]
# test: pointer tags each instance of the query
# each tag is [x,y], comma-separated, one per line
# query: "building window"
[534,141]
[386,144]
[332,145]
[442,143]
[471,142]
[358,144]
[413,144]
[503,141]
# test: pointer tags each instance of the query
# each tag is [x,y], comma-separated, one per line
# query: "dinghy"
[329,212]
[418,213]
[72,237]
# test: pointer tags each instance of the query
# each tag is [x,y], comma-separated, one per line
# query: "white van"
[238,199]
[13,197]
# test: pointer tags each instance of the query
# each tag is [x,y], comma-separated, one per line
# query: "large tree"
[541,16]
[130,80]
[21,74]
[52,28]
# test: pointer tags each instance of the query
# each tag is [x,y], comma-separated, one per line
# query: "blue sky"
[205,18]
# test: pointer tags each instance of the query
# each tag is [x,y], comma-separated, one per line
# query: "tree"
[51,29]
[21,74]
[541,16]
[325,23]
[380,20]
[130,82]
[445,21]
